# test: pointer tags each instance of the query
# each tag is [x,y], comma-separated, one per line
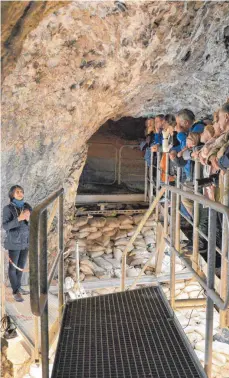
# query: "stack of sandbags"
[107,239]
[220,357]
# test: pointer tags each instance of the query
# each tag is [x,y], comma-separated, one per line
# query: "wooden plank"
[160,243]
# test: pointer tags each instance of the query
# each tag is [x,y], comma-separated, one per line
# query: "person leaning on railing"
[221,143]
[16,217]
[169,141]
[212,155]
[145,145]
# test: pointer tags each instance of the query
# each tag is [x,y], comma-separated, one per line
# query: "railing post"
[158,181]
[77,263]
[44,294]
[3,288]
[224,317]
[210,284]
[61,261]
[151,178]
[166,215]
[119,167]
[172,252]
[177,237]
[196,218]
[146,181]
[36,339]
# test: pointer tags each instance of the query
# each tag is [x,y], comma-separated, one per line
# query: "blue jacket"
[197,127]
[156,139]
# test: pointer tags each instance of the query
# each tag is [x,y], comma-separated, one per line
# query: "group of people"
[187,140]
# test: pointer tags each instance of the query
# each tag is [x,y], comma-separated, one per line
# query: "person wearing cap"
[16,217]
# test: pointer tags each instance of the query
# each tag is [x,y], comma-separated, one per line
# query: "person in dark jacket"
[16,224]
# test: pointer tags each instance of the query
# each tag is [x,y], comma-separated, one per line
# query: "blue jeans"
[18,258]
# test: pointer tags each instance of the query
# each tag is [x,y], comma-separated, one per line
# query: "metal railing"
[220,299]
[40,280]
[117,170]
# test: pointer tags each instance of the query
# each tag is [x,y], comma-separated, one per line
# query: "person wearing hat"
[16,217]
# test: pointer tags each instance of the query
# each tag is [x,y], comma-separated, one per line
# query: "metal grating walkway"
[128,334]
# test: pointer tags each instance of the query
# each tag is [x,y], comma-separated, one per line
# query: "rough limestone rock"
[70,66]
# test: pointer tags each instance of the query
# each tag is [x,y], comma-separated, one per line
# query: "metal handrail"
[200,199]
[39,279]
[38,302]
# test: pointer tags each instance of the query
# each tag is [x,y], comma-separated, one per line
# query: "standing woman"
[16,224]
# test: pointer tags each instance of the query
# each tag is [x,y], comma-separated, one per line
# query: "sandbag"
[108,250]
[149,240]
[139,243]
[149,233]
[140,261]
[120,234]
[97,268]
[94,235]
[95,248]
[137,218]
[82,235]
[145,229]
[117,254]
[87,228]
[110,232]
[136,255]
[125,219]
[86,270]
[106,229]
[123,247]
[126,226]
[104,240]
[150,223]
[94,254]
[80,221]
[103,263]
[97,222]
[132,272]
[87,263]
[108,256]
[122,241]
[112,222]
[115,263]
[131,232]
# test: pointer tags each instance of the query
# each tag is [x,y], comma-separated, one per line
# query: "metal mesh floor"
[128,334]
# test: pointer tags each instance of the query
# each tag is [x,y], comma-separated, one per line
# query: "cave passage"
[114,163]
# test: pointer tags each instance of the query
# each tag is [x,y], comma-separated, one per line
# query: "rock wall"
[71,66]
